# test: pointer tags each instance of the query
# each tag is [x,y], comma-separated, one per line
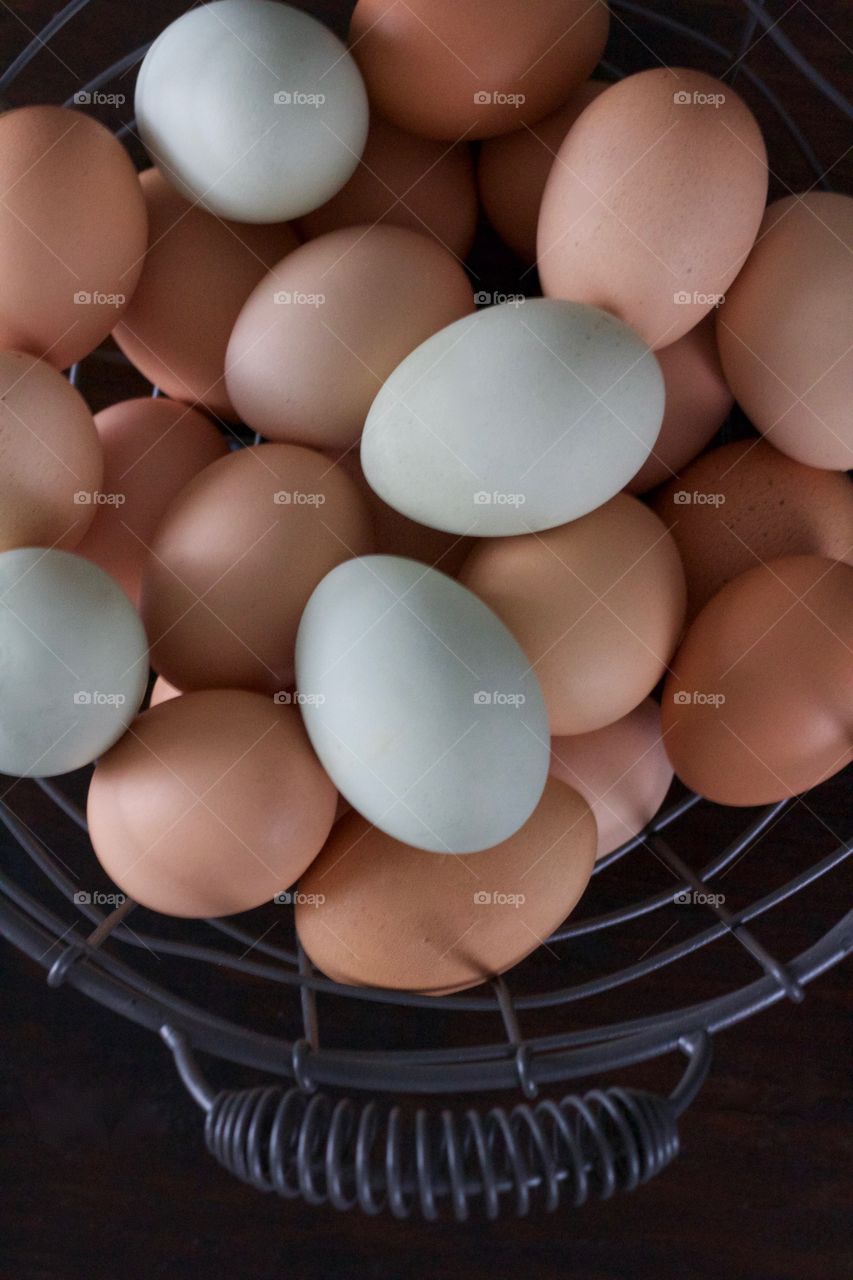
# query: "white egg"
[73,662]
[252,108]
[518,418]
[420,705]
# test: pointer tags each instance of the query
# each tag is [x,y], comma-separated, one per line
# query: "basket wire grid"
[374,1151]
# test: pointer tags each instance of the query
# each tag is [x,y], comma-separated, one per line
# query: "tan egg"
[162,692]
[199,270]
[784,330]
[323,330]
[51,462]
[374,912]
[210,804]
[654,201]
[397,535]
[760,703]
[234,560]
[698,401]
[513,169]
[72,232]
[447,70]
[408,182]
[152,448]
[622,771]
[746,503]
[597,605]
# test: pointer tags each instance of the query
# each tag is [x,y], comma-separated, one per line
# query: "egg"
[151,449]
[784,330]
[74,662]
[211,805]
[198,272]
[746,503]
[162,692]
[252,108]
[513,169]
[72,232]
[759,705]
[448,70]
[408,182]
[374,912]
[420,705]
[654,201]
[698,401]
[321,332]
[234,560]
[597,605]
[516,419]
[51,462]
[622,771]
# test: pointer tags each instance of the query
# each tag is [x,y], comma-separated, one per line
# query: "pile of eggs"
[444,633]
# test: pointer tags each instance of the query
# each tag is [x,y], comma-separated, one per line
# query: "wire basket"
[382,1102]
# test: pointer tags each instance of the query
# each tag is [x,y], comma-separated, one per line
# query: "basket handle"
[371,1154]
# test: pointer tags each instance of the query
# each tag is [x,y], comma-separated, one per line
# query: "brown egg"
[199,270]
[51,462]
[396,535]
[760,702]
[409,182]
[323,330]
[447,70]
[698,401]
[746,503]
[622,771]
[236,557]
[374,912]
[784,330]
[72,232]
[513,169]
[210,804]
[654,201]
[162,692]
[597,605]
[152,448]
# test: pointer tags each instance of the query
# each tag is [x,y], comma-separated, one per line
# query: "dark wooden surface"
[102,1169]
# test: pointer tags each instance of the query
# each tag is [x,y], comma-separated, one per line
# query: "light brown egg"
[199,270]
[784,330]
[744,504]
[597,605]
[622,771]
[513,169]
[51,462]
[323,330]
[162,692]
[760,703]
[408,182]
[374,912]
[698,401]
[210,804]
[654,201]
[152,448]
[234,560]
[72,232]
[447,70]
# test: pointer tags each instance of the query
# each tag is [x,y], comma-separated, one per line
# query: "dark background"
[102,1166]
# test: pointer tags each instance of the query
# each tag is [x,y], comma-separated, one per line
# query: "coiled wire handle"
[347,1152]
